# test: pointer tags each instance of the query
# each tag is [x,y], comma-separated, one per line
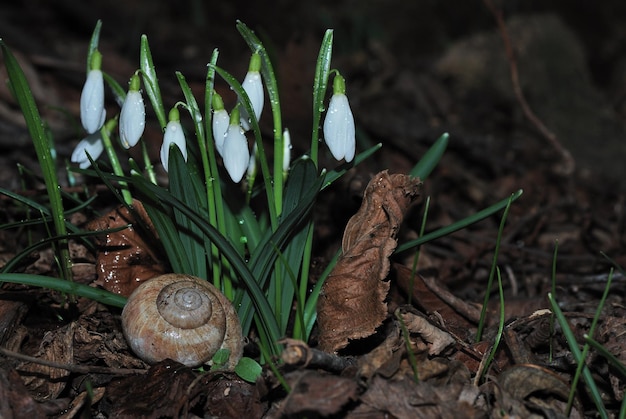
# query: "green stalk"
[215,202]
[594,392]
[592,329]
[105,132]
[498,339]
[494,268]
[35,125]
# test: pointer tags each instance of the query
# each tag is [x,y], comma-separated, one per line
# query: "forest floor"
[413,72]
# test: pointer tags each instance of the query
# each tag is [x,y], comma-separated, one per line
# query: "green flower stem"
[215,203]
[147,163]
[105,132]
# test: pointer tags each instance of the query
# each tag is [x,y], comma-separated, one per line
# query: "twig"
[80,369]
[568,161]
[298,353]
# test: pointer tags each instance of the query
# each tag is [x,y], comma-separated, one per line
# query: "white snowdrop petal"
[173,135]
[236,153]
[132,119]
[91,144]
[92,112]
[339,130]
[221,120]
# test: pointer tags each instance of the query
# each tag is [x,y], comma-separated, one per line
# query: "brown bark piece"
[125,258]
[351,305]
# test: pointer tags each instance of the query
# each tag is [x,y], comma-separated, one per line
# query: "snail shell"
[183,318]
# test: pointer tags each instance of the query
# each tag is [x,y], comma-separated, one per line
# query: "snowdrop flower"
[221,121]
[132,116]
[92,112]
[173,136]
[253,85]
[339,123]
[91,144]
[236,154]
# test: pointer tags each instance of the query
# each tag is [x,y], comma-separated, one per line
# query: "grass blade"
[68,287]
[459,225]
[431,158]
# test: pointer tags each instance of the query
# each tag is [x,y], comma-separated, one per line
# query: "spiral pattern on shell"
[183,318]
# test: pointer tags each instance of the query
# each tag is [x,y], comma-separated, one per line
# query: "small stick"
[568,161]
[298,353]
[80,369]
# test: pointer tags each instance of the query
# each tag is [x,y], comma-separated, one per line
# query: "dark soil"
[414,70]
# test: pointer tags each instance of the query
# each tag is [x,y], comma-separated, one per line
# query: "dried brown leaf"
[437,339]
[351,305]
[125,258]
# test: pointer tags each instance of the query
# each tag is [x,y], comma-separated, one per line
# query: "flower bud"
[174,135]
[339,131]
[92,112]
[132,116]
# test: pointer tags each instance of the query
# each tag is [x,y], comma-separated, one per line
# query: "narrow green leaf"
[320,83]
[431,158]
[184,186]
[573,346]
[459,225]
[619,366]
[93,43]
[68,287]
[150,81]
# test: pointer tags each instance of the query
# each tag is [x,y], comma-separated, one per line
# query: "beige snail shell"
[181,317]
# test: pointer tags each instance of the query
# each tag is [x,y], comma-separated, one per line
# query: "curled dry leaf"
[125,258]
[351,305]
[437,339]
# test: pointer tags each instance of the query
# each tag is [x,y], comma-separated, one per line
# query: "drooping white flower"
[339,131]
[253,86]
[236,154]
[91,144]
[174,135]
[92,112]
[132,116]
[220,123]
